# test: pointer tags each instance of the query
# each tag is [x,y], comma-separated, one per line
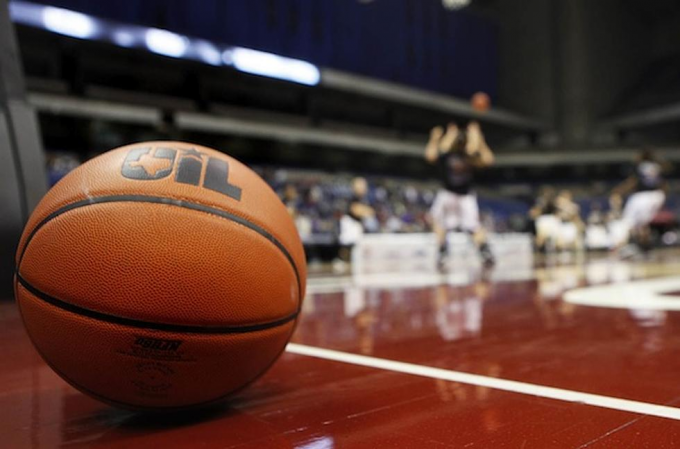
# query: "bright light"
[208,52]
[166,43]
[455,4]
[163,42]
[123,38]
[27,13]
[228,57]
[69,23]
[274,66]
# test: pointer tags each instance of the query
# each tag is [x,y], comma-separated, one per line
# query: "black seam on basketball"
[151,325]
[171,202]
[127,406]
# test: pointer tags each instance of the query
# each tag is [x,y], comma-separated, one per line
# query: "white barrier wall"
[385,253]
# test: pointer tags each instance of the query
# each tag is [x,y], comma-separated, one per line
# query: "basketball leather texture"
[160,275]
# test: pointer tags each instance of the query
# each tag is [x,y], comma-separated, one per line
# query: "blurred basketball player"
[547,224]
[648,195]
[571,225]
[352,223]
[618,230]
[458,153]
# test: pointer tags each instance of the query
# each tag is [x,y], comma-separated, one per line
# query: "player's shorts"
[351,231]
[548,227]
[454,211]
[568,234]
[642,207]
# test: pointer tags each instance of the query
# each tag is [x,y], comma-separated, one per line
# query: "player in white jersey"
[646,187]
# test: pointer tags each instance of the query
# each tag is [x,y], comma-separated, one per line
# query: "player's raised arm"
[476,146]
[450,137]
[432,148]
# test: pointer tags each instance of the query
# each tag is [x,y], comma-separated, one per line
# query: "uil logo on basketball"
[151,164]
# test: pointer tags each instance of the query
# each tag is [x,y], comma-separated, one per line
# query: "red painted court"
[458,360]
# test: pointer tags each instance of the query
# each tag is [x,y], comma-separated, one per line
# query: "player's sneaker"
[485,253]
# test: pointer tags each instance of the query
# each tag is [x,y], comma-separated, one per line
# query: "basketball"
[160,275]
[480,102]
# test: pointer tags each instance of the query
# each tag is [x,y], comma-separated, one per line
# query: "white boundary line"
[644,295]
[558,394]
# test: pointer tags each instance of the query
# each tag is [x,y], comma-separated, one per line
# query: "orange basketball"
[480,102]
[160,275]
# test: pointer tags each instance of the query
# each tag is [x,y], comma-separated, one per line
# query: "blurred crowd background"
[318,200]
[315,95]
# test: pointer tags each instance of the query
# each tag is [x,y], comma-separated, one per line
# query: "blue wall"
[415,42]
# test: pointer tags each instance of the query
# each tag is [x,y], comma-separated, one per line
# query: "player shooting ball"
[458,154]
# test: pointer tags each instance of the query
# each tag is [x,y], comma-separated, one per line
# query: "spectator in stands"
[318,203]
[458,153]
[615,208]
[59,165]
[291,199]
[596,216]
[646,187]
[303,223]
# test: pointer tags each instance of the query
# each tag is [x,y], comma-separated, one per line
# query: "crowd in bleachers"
[318,201]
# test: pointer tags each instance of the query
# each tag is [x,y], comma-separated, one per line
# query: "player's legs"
[351,232]
[639,212]
[547,231]
[444,213]
[568,236]
[440,232]
[469,218]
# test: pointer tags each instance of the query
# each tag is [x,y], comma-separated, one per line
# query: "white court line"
[644,295]
[558,394]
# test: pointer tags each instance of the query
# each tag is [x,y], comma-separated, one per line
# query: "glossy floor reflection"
[502,325]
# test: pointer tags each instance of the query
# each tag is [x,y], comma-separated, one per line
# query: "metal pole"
[22,167]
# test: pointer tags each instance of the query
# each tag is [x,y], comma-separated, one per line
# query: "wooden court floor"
[563,355]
